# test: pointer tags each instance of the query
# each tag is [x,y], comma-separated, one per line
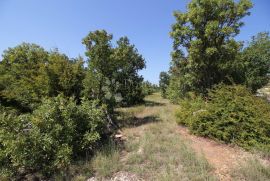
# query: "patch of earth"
[221,156]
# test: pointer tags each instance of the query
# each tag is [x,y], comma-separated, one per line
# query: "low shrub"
[47,140]
[231,114]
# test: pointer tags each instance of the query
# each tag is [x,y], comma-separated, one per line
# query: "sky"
[63,24]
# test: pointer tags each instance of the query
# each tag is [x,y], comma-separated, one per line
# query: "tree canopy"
[112,74]
[206,33]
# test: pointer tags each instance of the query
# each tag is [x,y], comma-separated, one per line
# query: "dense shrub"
[28,73]
[232,115]
[48,139]
[148,88]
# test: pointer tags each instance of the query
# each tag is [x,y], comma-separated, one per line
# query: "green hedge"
[47,140]
[231,114]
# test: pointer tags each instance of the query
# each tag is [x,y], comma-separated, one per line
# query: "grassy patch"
[157,152]
[160,154]
[252,170]
[107,161]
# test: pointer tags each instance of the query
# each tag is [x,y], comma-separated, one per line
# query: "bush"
[47,140]
[232,115]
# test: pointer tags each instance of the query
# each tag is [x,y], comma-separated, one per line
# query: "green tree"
[65,75]
[206,32]
[112,75]
[255,61]
[164,79]
[149,88]
[128,62]
[28,73]
[23,80]
[180,82]
[101,67]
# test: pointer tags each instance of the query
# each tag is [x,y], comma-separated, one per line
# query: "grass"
[107,161]
[104,164]
[160,154]
[252,170]
[157,152]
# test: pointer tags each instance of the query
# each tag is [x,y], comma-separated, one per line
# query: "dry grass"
[107,161]
[160,154]
[156,151]
[252,170]
[103,165]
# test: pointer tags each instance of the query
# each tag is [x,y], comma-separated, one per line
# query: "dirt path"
[222,157]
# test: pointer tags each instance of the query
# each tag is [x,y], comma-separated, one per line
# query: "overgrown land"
[97,119]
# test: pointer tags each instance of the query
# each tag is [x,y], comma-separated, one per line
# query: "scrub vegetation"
[96,118]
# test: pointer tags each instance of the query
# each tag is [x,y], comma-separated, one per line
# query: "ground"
[156,148]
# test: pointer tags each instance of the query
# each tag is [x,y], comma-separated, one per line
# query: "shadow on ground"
[135,121]
[152,104]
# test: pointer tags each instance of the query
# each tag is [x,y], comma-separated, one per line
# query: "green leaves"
[206,33]
[28,73]
[48,139]
[112,74]
[231,114]
[256,61]
[164,79]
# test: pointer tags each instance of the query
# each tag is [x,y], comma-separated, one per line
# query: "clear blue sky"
[63,24]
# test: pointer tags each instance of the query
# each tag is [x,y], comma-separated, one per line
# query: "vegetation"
[107,160]
[232,115]
[163,83]
[53,110]
[28,73]
[149,88]
[214,79]
[112,75]
[206,32]
[48,139]
[59,115]
[155,151]
[255,62]
[252,169]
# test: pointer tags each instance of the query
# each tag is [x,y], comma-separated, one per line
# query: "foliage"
[23,80]
[112,74]
[28,73]
[48,139]
[232,115]
[179,83]
[255,61]
[65,75]
[149,88]
[163,82]
[129,62]
[206,33]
